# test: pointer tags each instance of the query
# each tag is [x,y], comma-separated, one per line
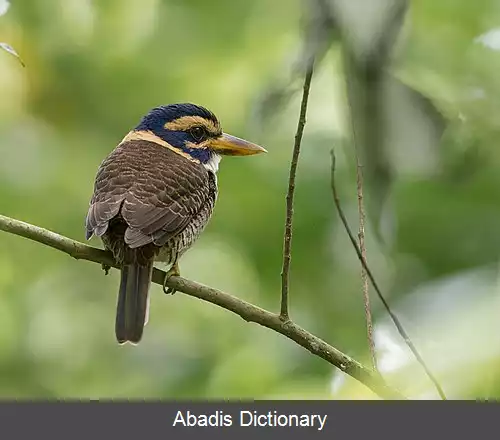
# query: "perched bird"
[153,196]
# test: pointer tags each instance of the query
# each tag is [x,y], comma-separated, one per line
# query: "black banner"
[263,420]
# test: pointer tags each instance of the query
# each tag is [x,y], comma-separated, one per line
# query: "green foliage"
[94,68]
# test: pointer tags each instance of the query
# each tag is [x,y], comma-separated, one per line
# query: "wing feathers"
[157,200]
[100,213]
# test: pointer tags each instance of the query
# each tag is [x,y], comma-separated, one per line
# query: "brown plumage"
[153,196]
[145,197]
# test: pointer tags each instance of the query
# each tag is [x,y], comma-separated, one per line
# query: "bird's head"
[194,132]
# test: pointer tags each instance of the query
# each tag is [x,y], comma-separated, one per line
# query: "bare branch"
[245,310]
[364,277]
[394,318]
[287,240]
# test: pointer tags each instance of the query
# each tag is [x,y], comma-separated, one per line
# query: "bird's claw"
[106,268]
[172,272]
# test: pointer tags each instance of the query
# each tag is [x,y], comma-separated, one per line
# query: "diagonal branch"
[287,239]
[245,310]
[362,259]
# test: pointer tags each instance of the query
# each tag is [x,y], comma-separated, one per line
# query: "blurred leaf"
[4,7]
[10,49]
[319,32]
[490,39]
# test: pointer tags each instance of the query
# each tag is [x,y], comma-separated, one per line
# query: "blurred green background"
[93,68]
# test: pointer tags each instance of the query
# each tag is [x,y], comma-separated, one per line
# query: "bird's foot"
[172,272]
[106,268]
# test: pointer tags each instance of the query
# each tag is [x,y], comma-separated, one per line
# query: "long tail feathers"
[133,302]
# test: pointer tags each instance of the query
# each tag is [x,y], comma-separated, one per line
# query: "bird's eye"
[198,133]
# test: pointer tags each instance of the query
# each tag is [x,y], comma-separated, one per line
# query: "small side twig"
[394,318]
[287,239]
[364,277]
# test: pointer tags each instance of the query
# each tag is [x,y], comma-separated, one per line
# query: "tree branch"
[364,277]
[245,310]
[361,258]
[287,239]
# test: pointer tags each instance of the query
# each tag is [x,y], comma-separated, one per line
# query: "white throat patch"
[213,163]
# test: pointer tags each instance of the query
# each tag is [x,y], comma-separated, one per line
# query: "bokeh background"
[433,189]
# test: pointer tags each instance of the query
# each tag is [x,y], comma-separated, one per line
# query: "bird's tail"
[133,302]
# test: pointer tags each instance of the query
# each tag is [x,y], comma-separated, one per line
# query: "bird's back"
[148,199]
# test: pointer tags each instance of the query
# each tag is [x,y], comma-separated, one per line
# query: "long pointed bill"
[233,146]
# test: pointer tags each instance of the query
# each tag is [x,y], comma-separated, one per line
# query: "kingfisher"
[153,196]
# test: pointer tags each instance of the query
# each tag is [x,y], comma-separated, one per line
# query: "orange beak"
[233,146]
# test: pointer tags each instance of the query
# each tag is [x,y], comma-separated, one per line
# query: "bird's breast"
[180,243]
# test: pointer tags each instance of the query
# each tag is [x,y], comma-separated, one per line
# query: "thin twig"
[245,310]
[364,277]
[358,140]
[394,318]
[287,239]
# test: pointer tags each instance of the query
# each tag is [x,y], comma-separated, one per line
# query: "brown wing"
[155,191]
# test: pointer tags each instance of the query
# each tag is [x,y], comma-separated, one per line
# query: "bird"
[153,196]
